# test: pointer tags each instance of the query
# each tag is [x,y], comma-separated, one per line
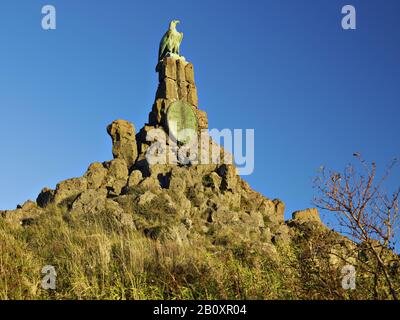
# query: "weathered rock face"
[176,78]
[124,141]
[25,215]
[95,175]
[107,179]
[90,201]
[279,210]
[135,178]
[229,177]
[174,200]
[67,191]
[308,215]
[117,176]
[45,197]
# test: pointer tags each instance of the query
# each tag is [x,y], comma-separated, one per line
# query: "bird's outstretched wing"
[178,44]
[163,44]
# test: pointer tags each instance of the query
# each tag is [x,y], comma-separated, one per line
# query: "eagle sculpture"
[171,41]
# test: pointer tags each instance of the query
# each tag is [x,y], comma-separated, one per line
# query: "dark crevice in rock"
[164,180]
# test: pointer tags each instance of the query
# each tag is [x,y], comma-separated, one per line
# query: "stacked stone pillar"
[176,82]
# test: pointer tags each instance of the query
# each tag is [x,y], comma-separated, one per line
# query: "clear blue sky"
[313,92]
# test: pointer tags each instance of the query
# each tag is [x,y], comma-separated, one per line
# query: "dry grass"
[97,258]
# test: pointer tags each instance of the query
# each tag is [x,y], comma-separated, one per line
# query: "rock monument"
[169,201]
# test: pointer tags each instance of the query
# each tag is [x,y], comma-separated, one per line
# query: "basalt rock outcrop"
[174,201]
[308,215]
[124,141]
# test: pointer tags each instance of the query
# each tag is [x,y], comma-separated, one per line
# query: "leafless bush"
[365,212]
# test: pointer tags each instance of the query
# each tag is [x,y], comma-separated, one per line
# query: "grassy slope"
[97,258]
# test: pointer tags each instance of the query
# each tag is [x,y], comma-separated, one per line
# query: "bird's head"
[173,24]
